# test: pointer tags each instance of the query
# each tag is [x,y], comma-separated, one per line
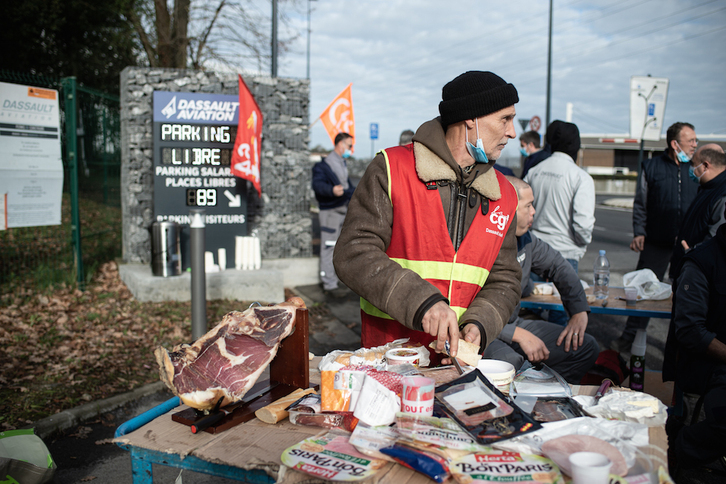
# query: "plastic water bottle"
[601,276]
[637,361]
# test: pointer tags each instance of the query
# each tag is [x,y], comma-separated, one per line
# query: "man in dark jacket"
[529,147]
[333,190]
[662,197]
[568,351]
[706,212]
[695,353]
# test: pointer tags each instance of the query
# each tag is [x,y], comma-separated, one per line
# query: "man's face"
[345,144]
[528,147]
[525,211]
[687,141]
[495,130]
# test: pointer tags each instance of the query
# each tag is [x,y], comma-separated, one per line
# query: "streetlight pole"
[274,38]
[549,71]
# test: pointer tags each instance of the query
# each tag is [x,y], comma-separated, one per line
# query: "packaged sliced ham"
[486,468]
[331,456]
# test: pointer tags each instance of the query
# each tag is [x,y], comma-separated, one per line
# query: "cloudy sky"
[399,53]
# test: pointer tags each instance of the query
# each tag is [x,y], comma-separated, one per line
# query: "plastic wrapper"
[628,406]
[488,417]
[438,431]
[427,463]
[554,409]
[339,399]
[307,412]
[486,468]
[627,437]
[370,440]
[331,456]
[377,404]
[541,381]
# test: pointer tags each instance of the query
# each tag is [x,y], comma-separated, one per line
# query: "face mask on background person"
[476,152]
[691,173]
[346,154]
[524,152]
[682,156]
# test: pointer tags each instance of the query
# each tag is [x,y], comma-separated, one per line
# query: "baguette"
[275,411]
[468,352]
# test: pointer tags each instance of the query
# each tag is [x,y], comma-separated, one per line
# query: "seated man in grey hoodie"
[569,351]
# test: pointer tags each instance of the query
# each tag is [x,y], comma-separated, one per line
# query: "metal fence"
[90,230]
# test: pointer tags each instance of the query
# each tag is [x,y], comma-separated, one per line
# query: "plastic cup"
[590,468]
[631,296]
[499,373]
[418,395]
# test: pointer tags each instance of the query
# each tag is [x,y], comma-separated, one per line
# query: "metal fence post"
[199,277]
[70,111]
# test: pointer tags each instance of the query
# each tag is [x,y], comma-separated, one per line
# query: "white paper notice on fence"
[31,168]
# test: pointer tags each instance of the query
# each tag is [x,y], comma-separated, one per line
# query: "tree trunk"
[179,35]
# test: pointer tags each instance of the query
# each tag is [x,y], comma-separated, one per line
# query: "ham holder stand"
[289,370]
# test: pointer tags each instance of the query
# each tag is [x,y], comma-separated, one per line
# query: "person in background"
[706,212]
[406,137]
[333,190]
[564,197]
[695,355]
[569,351]
[529,148]
[504,170]
[663,194]
[429,240]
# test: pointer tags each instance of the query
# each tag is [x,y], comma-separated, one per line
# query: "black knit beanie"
[475,94]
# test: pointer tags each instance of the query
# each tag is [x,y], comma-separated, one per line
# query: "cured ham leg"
[228,360]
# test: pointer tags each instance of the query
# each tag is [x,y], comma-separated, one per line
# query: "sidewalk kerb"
[49,426]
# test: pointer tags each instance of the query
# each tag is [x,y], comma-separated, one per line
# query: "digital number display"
[201,197]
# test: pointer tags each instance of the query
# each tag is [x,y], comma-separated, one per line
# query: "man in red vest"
[429,240]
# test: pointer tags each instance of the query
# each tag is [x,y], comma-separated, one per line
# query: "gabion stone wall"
[281,217]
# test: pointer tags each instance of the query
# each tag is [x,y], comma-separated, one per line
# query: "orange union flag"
[338,116]
[247,145]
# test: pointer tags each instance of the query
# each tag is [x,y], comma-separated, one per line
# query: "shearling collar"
[430,167]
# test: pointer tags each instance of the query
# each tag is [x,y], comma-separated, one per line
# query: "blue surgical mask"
[476,152]
[682,156]
[692,174]
[524,152]
[346,154]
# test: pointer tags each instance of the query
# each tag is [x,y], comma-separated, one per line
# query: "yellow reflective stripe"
[446,271]
[370,309]
[388,174]
[459,312]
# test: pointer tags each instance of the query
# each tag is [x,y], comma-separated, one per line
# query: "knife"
[456,362]
[218,414]
[602,389]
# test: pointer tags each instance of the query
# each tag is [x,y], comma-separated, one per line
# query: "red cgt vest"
[420,241]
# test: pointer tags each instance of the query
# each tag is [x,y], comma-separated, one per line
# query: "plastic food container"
[499,373]
[400,356]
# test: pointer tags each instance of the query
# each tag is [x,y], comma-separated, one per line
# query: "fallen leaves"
[67,347]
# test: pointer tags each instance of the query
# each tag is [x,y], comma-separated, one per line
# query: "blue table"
[614,306]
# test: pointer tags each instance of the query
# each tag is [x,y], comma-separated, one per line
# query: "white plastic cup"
[418,395]
[631,296]
[499,373]
[590,468]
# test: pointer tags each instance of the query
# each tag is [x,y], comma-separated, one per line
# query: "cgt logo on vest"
[499,219]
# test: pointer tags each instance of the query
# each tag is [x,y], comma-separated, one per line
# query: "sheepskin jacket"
[362,264]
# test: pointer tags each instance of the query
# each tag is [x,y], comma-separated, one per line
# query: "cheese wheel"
[275,411]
